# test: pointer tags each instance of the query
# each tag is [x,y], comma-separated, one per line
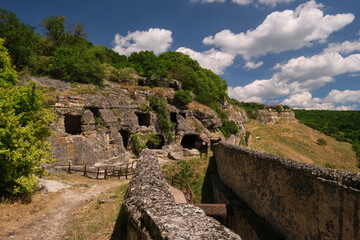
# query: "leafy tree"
[54,29]
[23,131]
[20,39]
[76,64]
[144,62]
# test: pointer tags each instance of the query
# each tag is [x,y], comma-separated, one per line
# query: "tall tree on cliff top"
[24,129]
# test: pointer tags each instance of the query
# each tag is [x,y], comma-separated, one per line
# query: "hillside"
[299,142]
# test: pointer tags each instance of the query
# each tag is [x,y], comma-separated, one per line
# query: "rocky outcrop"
[153,214]
[273,116]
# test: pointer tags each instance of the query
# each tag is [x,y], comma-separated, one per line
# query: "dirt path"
[56,223]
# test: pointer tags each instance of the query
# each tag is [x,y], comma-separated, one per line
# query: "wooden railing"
[183,186]
[104,172]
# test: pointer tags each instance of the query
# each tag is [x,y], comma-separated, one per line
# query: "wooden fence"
[183,186]
[103,172]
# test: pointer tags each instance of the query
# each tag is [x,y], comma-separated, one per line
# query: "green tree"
[54,29]
[20,39]
[76,64]
[24,129]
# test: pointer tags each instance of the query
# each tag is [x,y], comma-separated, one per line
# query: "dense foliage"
[229,127]
[23,131]
[181,98]
[342,125]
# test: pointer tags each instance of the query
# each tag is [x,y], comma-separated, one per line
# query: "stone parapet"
[153,214]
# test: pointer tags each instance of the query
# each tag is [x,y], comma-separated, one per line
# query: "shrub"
[321,142]
[229,127]
[158,105]
[123,75]
[23,132]
[76,64]
[138,146]
[181,98]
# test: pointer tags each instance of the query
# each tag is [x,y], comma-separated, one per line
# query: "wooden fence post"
[98,171]
[85,170]
[105,173]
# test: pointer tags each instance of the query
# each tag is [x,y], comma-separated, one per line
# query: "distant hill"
[342,125]
[299,142]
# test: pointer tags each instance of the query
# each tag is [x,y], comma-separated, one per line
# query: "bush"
[24,129]
[229,127]
[321,142]
[158,105]
[76,64]
[123,75]
[181,98]
[138,146]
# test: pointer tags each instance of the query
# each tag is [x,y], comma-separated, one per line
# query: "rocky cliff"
[106,125]
[99,126]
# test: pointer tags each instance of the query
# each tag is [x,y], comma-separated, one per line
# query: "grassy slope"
[299,142]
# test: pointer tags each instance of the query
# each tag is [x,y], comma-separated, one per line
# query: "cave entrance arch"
[143,119]
[158,143]
[125,137]
[190,141]
[72,124]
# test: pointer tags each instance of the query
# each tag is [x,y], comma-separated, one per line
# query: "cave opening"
[183,114]
[125,137]
[143,119]
[156,142]
[189,141]
[72,124]
[173,117]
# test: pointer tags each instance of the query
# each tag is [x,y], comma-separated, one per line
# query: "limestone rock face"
[272,116]
[208,118]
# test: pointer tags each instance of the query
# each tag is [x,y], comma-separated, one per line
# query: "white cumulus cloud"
[211,59]
[306,101]
[336,96]
[345,47]
[282,31]
[298,77]
[155,39]
[207,1]
[253,65]
[273,3]
[242,2]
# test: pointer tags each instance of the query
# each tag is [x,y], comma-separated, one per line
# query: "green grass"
[195,172]
[98,220]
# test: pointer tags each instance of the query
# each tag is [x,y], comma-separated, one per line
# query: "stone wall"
[153,214]
[301,201]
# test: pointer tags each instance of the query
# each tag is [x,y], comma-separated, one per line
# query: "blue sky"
[305,54]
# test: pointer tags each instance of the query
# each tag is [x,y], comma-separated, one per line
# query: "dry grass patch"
[97,218]
[299,142]
[14,215]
